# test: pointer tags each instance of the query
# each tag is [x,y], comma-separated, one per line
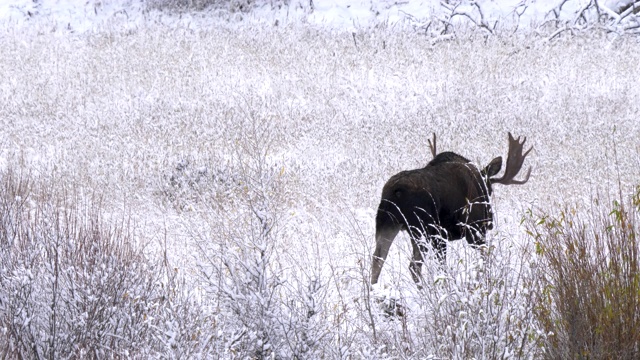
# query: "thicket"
[76,283]
[589,274]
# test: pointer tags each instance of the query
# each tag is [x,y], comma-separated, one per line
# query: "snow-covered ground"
[75,16]
[250,158]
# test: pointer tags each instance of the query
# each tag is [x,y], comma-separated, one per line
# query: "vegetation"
[589,273]
[212,193]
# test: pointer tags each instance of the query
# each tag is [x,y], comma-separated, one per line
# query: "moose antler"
[515,159]
[432,145]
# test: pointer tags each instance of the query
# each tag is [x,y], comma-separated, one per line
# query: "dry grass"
[589,272]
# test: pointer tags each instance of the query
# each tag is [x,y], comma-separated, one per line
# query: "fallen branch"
[610,12]
[580,13]
[630,10]
[478,23]
[556,33]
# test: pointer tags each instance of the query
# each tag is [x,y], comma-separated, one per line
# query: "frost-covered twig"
[580,14]
[558,9]
[633,8]
[519,10]
[481,23]
[615,16]
[556,33]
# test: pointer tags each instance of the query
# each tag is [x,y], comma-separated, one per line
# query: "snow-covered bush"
[476,306]
[70,283]
[263,309]
[76,284]
[199,5]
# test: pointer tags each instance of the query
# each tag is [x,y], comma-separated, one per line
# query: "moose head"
[446,200]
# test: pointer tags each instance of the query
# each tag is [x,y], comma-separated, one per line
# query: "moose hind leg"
[384,239]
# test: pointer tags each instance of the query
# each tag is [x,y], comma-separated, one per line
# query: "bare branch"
[610,12]
[580,14]
[630,10]
[556,33]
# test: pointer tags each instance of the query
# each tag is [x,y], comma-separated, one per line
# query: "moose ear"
[493,168]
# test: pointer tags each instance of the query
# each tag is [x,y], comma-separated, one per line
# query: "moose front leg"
[440,247]
[415,266]
[419,249]
[477,240]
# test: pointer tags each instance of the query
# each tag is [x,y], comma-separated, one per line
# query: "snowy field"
[248,159]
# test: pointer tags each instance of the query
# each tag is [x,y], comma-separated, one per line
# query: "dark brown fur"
[448,199]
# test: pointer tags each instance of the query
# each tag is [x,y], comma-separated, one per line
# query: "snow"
[90,15]
[205,129]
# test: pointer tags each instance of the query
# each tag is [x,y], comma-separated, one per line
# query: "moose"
[446,200]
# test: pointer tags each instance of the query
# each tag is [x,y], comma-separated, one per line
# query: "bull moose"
[446,200]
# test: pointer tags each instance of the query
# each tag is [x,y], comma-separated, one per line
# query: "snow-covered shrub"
[475,307]
[76,284]
[264,311]
[199,5]
[190,182]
